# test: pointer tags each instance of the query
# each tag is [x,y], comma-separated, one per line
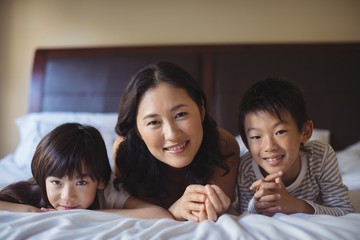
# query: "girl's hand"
[47,209]
[190,205]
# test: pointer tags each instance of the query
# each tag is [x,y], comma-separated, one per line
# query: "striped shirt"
[319,182]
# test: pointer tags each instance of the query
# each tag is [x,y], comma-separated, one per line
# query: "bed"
[85,84]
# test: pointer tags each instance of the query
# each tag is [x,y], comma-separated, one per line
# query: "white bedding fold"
[86,224]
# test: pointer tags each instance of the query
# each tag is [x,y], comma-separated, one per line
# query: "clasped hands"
[199,203]
[271,196]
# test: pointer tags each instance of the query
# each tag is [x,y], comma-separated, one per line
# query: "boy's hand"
[289,204]
[279,200]
[266,194]
[266,186]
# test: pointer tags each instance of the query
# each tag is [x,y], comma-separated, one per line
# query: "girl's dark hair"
[141,173]
[273,96]
[25,192]
[65,151]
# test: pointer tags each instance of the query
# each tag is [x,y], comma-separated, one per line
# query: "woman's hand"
[217,203]
[191,204]
[200,203]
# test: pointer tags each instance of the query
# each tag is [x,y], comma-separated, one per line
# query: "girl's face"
[275,143]
[76,193]
[170,124]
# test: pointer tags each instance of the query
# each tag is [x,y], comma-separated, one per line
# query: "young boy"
[283,172]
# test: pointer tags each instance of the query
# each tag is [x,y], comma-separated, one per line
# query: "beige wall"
[29,24]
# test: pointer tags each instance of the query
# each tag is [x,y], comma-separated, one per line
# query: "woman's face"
[170,124]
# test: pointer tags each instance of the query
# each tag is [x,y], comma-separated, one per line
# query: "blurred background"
[26,25]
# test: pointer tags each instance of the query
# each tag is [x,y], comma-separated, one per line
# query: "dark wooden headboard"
[93,79]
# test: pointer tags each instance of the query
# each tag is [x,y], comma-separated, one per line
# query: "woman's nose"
[171,131]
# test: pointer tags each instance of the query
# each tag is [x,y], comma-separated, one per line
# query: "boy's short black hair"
[273,95]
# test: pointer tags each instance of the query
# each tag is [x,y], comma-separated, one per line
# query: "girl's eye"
[56,182]
[82,183]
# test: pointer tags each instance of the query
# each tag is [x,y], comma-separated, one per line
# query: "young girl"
[283,172]
[71,170]
[170,152]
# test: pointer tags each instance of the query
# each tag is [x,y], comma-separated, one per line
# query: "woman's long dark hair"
[64,151]
[141,173]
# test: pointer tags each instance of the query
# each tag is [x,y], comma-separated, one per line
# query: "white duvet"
[87,224]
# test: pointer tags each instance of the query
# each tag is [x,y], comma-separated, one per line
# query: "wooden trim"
[37,81]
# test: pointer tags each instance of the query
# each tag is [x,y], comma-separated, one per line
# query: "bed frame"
[93,79]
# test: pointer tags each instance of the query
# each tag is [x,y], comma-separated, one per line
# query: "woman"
[169,151]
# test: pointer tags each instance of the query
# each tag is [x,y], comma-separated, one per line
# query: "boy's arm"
[334,193]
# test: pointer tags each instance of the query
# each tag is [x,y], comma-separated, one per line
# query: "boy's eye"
[281,132]
[254,137]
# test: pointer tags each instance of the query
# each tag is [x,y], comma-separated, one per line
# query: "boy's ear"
[307,131]
[101,185]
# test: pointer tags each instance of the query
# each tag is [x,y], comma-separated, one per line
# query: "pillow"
[349,161]
[34,126]
[322,135]
[242,146]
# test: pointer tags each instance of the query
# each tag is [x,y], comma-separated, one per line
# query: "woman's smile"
[179,148]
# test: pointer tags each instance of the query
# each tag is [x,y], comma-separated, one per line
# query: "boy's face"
[275,143]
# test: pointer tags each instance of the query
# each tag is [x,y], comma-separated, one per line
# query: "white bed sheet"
[86,224]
